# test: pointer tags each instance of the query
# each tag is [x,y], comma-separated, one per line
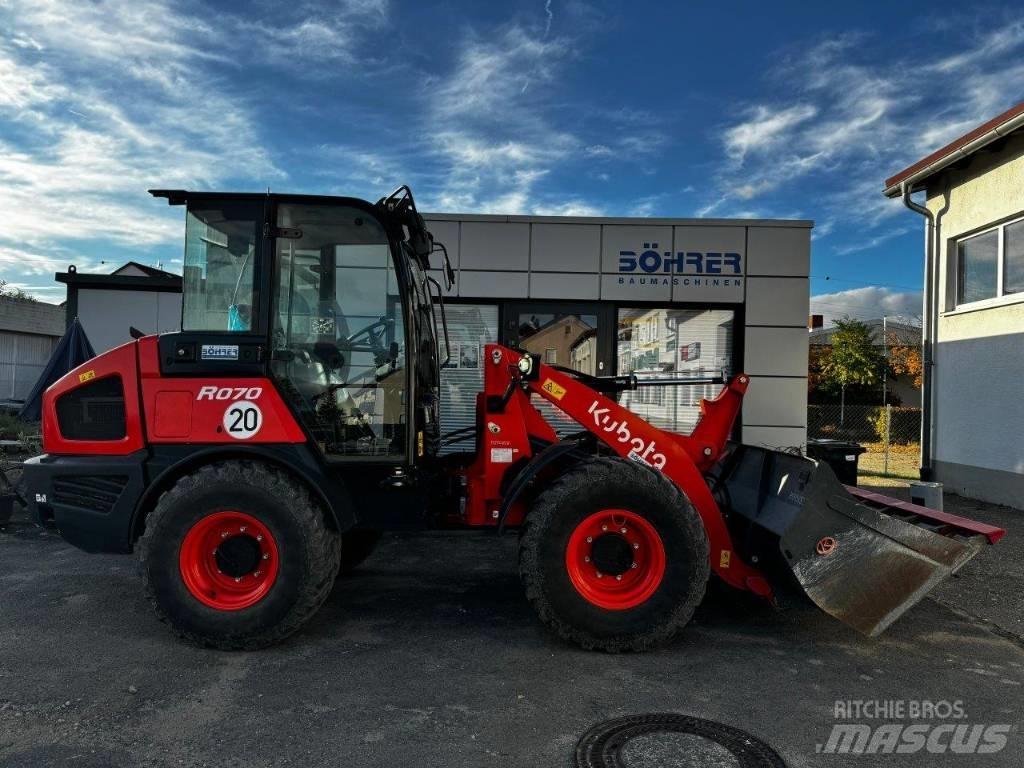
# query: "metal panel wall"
[22,359]
[757,267]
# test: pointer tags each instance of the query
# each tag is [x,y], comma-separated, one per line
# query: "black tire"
[357,545]
[309,554]
[613,484]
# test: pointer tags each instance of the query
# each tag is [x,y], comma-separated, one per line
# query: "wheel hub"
[229,560]
[615,559]
[611,554]
[238,555]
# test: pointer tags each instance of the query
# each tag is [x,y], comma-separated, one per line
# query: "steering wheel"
[374,333]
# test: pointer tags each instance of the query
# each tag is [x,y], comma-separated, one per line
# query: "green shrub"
[10,426]
[905,428]
[13,428]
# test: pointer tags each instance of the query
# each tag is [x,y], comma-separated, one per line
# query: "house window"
[990,264]
[1013,258]
[551,356]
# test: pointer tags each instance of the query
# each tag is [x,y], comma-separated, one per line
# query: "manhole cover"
[671,741]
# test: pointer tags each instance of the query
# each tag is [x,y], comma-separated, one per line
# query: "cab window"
[339,333]
[219,266]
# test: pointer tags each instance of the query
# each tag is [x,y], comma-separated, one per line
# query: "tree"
[905,360]
[13,292]
[854,360]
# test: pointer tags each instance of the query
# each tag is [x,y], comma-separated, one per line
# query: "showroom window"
[990,265]
[470,326]
[668,343]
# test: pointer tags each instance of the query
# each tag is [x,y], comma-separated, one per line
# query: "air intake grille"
[94,411]
[96,492]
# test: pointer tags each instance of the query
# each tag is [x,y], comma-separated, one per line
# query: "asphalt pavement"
[430,656]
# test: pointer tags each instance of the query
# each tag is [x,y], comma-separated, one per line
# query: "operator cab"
[334,296]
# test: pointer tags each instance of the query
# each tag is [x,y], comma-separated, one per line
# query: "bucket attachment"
[859,556]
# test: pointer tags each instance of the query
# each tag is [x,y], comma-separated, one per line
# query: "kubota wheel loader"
[252,456]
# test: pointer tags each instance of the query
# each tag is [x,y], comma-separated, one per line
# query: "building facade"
[660,298]
[974,220]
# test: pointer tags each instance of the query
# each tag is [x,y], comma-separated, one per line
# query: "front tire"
[614,557]
[237,556]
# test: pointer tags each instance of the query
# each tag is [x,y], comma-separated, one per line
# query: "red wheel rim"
[598,562]
[229,560]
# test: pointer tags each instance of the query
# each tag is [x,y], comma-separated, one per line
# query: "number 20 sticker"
[243,420]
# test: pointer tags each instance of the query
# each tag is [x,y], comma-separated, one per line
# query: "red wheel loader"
[254,455]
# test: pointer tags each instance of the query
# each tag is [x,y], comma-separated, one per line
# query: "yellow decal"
[724,558]
[86,376]
[553,389]
[419,443]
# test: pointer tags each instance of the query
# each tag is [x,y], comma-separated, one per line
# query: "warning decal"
[553,389]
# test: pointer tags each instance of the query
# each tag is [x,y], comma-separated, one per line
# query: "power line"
[829,278]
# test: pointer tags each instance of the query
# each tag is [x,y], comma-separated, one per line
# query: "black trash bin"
[840,455]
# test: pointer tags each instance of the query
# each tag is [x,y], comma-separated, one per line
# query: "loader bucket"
[861,557]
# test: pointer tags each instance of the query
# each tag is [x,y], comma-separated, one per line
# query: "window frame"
[1001,298]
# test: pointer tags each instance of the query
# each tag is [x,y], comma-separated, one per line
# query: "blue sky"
[793,110]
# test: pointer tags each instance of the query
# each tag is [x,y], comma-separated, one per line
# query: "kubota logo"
[642,451]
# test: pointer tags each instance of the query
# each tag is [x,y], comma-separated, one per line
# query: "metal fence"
[891,435]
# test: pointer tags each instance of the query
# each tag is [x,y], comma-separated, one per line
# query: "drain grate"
[602,746]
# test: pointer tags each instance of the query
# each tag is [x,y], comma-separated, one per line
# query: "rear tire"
[638,602]
[357,545]
[279,558]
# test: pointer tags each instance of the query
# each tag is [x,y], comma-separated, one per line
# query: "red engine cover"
[208,410]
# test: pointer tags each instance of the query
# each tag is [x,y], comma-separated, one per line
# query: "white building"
[134,295]
[973,430]
[662,298]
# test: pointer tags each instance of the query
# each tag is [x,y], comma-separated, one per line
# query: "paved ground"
[431,657]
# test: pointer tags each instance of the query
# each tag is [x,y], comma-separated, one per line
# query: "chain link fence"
[891,435]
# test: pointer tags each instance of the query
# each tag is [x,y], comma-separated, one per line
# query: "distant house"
[133,295]
[973,217]
[29,331]
[886,334]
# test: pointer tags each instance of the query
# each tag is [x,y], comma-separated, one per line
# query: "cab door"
[338,331]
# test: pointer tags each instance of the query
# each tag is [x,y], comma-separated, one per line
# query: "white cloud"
[871,242]
[868,303]
[102,101]
[490,75]
[488,129]
[765,128]
[848,118]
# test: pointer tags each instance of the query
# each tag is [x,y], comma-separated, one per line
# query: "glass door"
[578,335]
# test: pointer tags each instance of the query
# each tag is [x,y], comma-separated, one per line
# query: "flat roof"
[916,174]
[632,220]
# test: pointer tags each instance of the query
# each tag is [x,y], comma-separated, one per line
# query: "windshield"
[219,270]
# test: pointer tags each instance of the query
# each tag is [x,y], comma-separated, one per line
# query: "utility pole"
[885,355]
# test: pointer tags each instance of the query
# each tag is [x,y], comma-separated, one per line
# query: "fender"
[541,460]
[167,463]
